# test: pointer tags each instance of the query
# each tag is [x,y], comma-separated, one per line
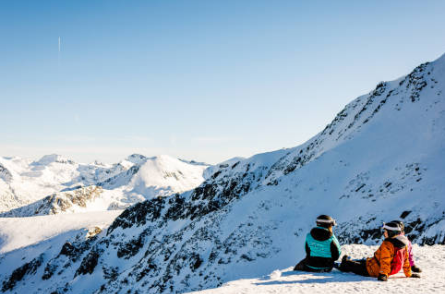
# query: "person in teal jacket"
[322,247]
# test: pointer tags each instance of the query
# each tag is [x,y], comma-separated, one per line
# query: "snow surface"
[17,233]
[431,259]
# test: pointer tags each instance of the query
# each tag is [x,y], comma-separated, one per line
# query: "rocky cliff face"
[380,159]
[58,203]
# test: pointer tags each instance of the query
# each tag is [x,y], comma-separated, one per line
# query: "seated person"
[388,260]
[322,247]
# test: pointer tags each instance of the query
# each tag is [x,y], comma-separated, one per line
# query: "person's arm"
[406,265]
[335,249]
[308,250]
[386,256]
[410,254]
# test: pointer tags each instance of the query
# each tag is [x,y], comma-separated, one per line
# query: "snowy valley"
[381,158]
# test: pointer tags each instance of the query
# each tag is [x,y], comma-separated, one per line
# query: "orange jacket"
[381,262]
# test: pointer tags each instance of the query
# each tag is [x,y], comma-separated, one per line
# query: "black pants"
[358,267]
[302,266]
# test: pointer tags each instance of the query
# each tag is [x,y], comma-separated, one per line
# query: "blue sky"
[203,80]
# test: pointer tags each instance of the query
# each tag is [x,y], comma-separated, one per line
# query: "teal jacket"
[322,249]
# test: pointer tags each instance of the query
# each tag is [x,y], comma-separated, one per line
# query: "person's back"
[322,247]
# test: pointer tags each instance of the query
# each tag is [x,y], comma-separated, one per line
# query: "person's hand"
[415,276]
[382,278]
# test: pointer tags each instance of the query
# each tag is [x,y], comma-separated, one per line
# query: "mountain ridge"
[56,179]
[381,158]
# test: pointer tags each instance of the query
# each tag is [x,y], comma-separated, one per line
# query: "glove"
[415,276]
[416,269]
[382,278]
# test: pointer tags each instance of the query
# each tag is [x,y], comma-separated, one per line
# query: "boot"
[344,266]
[416,269]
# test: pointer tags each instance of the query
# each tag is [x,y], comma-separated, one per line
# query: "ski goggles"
[386,227]
[326,221]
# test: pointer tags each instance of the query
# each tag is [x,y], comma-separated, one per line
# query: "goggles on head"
[326,221]
[386,227]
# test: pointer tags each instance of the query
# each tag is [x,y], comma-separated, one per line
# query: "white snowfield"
[431,259]
[16,233]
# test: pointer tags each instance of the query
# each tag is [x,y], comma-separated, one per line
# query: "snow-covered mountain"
[55,184]
[381,158]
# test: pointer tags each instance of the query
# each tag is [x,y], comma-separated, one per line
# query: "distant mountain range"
[55,184]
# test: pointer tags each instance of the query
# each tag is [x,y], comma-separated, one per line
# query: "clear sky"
[203,80]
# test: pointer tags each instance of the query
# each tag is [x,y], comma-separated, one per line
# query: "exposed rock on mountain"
[381,158]
[76,200]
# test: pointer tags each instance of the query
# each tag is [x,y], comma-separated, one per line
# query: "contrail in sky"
[58,56]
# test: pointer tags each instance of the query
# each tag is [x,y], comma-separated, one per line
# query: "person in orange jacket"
[388,260]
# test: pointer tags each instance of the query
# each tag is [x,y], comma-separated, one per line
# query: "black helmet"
[400,223]
[393,228]
[325,221]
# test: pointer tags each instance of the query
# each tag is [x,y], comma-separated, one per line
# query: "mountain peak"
[48,159]
[136,158]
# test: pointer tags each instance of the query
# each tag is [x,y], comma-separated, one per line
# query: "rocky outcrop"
[17,275]
[5,174]
[58,203]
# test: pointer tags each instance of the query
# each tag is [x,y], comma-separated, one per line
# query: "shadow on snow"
[318,278]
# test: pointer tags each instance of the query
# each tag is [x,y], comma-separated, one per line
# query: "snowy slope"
[24,181]
[286,281]
[380,159]
[16,233]
[58,185]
